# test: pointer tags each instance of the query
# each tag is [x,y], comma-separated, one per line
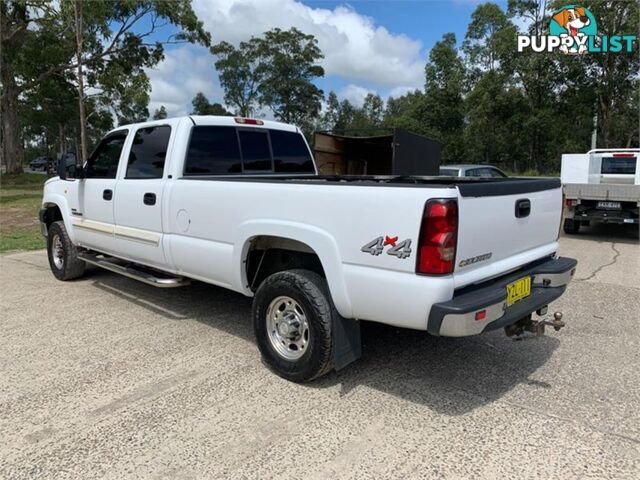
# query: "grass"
[20,199]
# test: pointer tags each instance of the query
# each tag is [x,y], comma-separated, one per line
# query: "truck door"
[138,205]
[92,206]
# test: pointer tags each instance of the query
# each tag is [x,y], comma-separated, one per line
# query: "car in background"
[41,163]
[472,171]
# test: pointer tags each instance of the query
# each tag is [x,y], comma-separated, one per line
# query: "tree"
[289,68]
[118,39]
[442,110]
[487,38]
[373,109]
[160,113]
[201,106]
[331,112]
[241,72]
[614,76]
[275,70]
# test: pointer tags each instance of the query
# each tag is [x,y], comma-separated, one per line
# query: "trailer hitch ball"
[557,321]
[536,327]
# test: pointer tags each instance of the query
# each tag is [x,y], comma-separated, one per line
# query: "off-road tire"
[311,292]
[72,267]
[571,227]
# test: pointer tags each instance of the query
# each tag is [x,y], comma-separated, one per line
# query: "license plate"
[611,205]
[518,290]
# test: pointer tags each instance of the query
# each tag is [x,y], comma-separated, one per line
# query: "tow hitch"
[527,324]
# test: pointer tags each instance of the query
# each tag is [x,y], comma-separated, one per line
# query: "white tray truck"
[600,186]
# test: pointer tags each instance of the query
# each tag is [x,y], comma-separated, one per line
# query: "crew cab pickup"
[238,203]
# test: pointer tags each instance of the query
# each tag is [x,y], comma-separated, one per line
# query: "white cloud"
[355,48]
[184,72]
[354,93]
[400,91]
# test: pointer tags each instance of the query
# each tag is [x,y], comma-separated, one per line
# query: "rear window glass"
[256,154]
[621,165]
[148,152]
[228,150]
[213,151]
[290,153]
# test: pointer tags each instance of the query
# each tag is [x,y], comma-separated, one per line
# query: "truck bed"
[468,186]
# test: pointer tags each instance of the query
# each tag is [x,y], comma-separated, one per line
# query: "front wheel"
[63,255]
[292,320]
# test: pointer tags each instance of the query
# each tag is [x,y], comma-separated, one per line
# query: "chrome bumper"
[457,317]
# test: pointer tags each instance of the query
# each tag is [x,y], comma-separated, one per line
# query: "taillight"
[248,121]
[438,237]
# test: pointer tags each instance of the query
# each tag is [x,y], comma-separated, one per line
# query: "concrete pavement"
[109,378]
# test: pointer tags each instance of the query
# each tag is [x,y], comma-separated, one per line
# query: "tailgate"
[505,224]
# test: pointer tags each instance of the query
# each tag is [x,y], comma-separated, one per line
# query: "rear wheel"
[571,226]
[292,319]
[63,255]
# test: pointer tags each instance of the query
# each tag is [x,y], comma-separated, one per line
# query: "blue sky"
[377,46]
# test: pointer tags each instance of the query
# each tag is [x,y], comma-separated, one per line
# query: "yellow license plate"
[518,290]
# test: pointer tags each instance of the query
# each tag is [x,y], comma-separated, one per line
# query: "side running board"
[150,277]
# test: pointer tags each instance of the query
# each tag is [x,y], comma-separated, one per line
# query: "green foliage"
[289,68]
[160,113]
[121,38]
[521,111]
[275,70]
[20,198]
[201,106]
[241,72]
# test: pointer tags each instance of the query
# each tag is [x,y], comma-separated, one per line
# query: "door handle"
[523,208]
[107,194]
[149,198]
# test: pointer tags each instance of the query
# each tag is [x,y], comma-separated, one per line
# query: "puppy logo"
[575,22]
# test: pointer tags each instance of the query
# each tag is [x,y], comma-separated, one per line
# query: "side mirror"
[62,169]
[70,172]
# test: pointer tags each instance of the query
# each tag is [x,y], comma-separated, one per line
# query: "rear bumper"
[456,318]
[629,216]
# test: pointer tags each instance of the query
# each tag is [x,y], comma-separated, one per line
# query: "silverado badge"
[480,258]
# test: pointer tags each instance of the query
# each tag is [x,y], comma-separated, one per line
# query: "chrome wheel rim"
[57,252]
[288,328]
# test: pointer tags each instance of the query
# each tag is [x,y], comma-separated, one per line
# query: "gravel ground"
[109,378]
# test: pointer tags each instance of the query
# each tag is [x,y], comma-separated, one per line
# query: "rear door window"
[148,152]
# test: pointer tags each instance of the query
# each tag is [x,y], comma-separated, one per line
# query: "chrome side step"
[131,271]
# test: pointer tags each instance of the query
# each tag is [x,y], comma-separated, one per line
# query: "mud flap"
[347,346]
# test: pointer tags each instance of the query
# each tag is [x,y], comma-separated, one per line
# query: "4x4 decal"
[376,247]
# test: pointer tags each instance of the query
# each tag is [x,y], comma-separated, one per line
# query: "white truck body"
[602,185]
[203,228]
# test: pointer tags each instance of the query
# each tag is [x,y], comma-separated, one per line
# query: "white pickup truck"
[237,203]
